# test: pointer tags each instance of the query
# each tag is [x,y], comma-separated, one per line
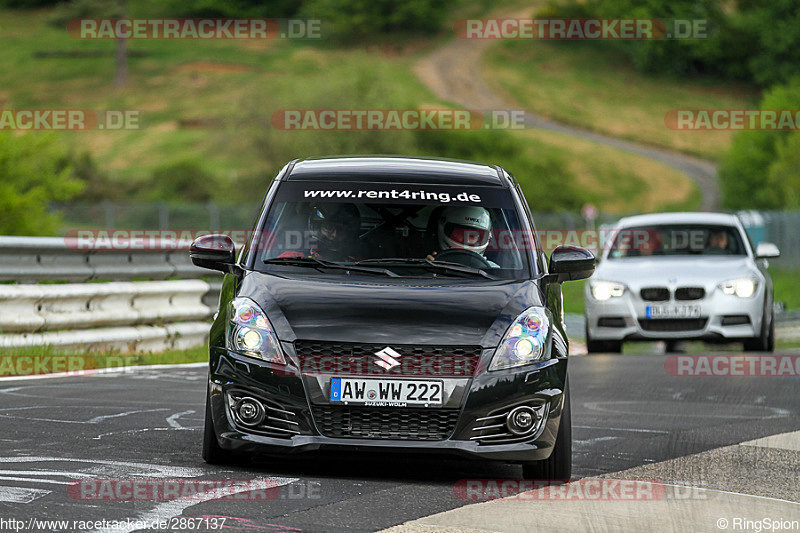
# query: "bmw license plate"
[387,392]
[672,311]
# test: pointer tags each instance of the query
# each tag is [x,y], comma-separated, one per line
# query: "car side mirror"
[767,250]
[569,263]
[216,252]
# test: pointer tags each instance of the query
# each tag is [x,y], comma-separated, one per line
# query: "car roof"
[722,219]
[395,169]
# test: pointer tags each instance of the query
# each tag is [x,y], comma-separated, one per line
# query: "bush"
[36,172]
[536,175]
[182,181]
[758,42]
[352,19]
[761,168]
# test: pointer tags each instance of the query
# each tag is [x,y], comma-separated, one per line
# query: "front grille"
[655,294]
[414,360]
[690,293]
[388,423]
[672,324]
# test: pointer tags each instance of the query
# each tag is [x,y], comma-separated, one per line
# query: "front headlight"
[605,290]
[525,341]
[743,288]
[249,332]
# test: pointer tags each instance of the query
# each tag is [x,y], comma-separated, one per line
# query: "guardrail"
[106,309]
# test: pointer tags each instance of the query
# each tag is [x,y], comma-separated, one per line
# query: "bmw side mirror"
[215,252]
[569,263]
[767,250]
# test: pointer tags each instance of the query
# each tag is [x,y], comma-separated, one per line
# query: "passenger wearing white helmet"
[466,229]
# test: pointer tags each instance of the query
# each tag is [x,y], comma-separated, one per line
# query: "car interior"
[397,231]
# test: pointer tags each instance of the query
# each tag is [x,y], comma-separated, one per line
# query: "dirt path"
[454,73]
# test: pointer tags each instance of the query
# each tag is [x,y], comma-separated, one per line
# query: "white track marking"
[95,420]
[173,419]
[172,508]
[47,473]
[33,480]
[144,430]
[21,495]
[599,406]
[166,471]
[98,419]
[623,429]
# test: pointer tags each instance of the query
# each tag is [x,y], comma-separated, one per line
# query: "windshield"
[407,230]
[672,240]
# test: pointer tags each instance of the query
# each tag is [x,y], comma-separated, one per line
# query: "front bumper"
[305,397]
[625,318]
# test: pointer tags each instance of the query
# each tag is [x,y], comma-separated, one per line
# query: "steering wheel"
[463,257]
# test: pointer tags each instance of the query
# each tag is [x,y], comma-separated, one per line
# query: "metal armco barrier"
[28,259]
[107,311]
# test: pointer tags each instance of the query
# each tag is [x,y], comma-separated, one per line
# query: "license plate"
[387,392]
[672,311]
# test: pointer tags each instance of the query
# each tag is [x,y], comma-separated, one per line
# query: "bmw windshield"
[398,230]
[677,240]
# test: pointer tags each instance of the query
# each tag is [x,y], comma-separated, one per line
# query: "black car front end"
[474,419]
[430,323]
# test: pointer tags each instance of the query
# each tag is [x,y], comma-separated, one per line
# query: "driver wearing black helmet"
[334,230]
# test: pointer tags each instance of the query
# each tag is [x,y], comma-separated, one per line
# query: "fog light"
[521,420]
[250,411]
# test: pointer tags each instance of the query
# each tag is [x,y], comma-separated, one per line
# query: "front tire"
[593,346]
[764,342]
[213,453]
[559,465]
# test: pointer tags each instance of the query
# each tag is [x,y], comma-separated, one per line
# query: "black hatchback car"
[392,304]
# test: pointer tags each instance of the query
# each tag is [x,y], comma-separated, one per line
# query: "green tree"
[182,181]
[34,171]
[352,19]
[761,168]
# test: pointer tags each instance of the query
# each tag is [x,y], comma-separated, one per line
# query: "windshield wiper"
[446,266]
[319,264]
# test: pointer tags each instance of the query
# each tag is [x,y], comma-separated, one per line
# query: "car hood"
[450,313]
[674,271]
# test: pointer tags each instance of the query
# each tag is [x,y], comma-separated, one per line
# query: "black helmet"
[336,228]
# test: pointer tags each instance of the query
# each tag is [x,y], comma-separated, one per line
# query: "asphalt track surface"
[627,412]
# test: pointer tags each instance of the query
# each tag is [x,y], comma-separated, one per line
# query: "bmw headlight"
[743,288]
[605,290]
[525,341]
[250,333]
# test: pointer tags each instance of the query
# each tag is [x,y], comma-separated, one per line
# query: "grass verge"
[211,103]
[30,361]
[581,84]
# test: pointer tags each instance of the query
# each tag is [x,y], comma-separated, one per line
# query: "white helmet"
[465,228]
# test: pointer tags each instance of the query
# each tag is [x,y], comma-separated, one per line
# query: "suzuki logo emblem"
[387,358]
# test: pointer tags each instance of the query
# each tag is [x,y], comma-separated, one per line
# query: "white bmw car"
[681,276]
